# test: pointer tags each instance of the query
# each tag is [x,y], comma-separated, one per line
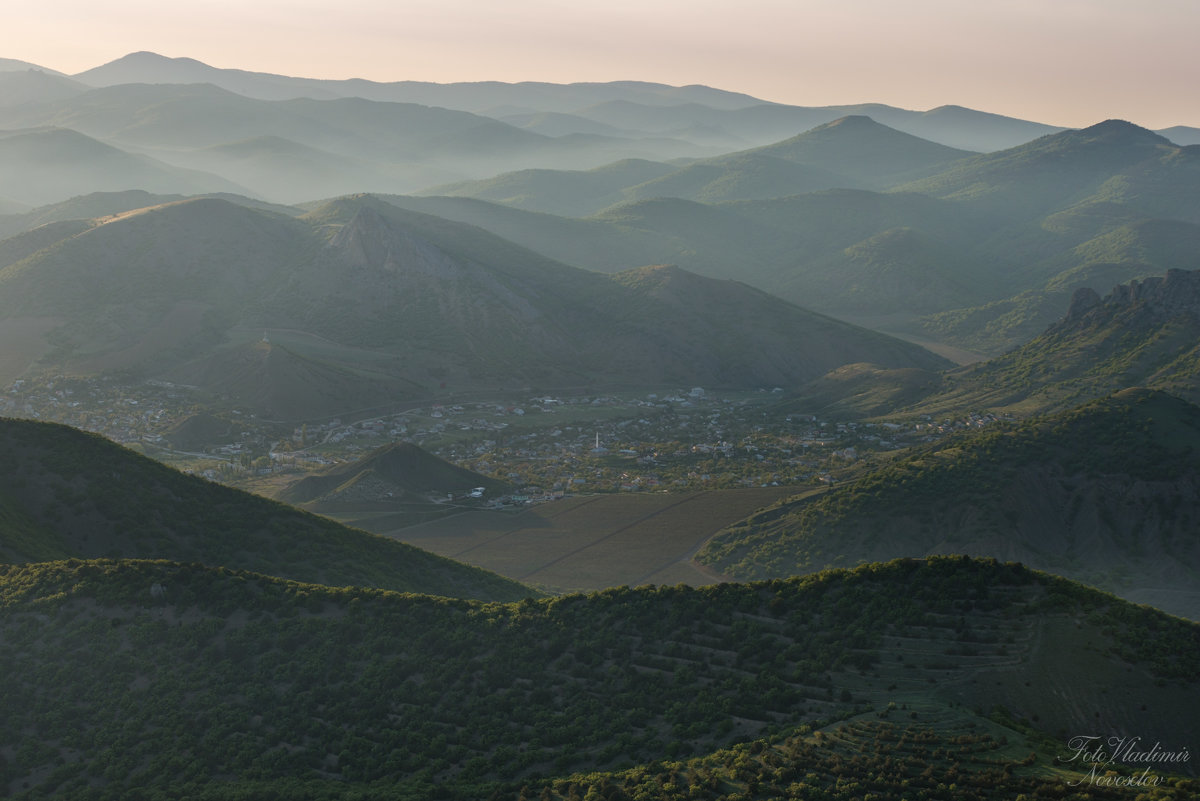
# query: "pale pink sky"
[1066,62]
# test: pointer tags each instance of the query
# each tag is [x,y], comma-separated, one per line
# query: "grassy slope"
[1108,493]
[71,494]
[244,682]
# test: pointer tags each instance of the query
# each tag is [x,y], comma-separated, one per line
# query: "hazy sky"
[1067,62]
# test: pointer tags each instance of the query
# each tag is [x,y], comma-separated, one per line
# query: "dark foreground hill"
[71,494]
[163,680]
[1108,494]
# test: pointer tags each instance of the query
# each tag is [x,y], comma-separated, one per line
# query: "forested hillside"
[1107,493]
[166,679]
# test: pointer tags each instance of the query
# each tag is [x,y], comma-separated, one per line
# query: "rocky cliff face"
[1160,298]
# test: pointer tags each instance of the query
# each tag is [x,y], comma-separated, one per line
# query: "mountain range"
[793,209]
[852,152]
[293,139]
[238,243]
[631,109]
[983,253]
[364,303]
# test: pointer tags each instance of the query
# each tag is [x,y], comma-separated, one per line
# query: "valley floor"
[588,542]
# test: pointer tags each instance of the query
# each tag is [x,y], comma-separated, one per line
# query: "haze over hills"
[989,267]
[401,146]
[1107,494]
[371,302]
[74,495]
[852,152]
[45,165]
[18,87]
[146,67]
[632,109]
[996,264]
[610,245]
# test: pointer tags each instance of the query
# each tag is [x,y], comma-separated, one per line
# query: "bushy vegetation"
[977,487]
[168,679]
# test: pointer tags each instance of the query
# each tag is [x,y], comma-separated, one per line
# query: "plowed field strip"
[523,527]
[609,536]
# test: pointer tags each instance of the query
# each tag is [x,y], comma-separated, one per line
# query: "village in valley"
[546,446]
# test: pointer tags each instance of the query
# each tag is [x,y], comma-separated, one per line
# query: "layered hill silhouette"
[988,250]
[301,148]
[630,109]
[397,473]
[426,696]
[363,303]
[1107,494]
[1070,168]
[72,495]
[44,165]
[1019,230]
[852,152]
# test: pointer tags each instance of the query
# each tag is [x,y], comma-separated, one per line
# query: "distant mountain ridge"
[983,254]
[700,114]
[851,152]
[147,67]
[44,165]
[1041,212]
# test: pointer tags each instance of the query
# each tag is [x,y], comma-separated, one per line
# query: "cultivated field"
[590,542]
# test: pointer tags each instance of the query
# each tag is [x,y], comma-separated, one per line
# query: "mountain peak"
[1118,132]
[147,67]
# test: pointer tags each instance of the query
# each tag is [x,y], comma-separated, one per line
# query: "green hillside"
[167,680]
[1107,494]
[68,494]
